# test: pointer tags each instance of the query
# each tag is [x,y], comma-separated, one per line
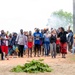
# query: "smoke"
[55,22]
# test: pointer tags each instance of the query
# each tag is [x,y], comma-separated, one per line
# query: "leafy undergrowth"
[34,66]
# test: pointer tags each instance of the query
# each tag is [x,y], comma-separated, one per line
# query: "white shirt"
[21,39]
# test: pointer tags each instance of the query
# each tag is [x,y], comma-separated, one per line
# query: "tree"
[61,18]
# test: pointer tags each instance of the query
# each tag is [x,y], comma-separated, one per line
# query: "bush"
[33,66]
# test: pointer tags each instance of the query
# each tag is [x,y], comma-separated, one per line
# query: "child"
[30,44]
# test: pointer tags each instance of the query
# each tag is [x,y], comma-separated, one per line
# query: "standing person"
[26,46]
[53,44]
[30,44]
[37,36]
[58,45]
[42,43]
[73,47]
[70,40]
[4,44]
[7,39]
[1,50]
[63,41]
[10,44]
[58,42]
[46,43]
[21,41]
[13,43]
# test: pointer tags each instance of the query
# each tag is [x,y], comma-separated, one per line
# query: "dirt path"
[59,65]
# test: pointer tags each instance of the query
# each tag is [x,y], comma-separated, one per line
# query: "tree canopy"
[61,18]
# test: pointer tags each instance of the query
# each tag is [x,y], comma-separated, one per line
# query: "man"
[21,41]
[1,50]
[70,40]
[4,44]
[37,36]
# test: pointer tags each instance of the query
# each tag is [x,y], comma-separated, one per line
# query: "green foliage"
[66,15]
[33,66]
[60,18]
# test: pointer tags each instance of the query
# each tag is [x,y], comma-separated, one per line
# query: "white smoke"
[55,22]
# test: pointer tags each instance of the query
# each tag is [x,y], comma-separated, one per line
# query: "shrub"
[33,66]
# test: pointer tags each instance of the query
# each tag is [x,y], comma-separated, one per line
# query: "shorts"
[4,49]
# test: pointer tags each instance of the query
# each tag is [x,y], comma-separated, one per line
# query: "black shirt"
[53,39]
[62,36]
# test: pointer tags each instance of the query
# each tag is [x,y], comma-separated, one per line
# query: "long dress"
[63,42]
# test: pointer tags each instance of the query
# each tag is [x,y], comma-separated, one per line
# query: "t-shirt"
[4,40]
[46,38]
[37,37]
[21,39]
[53,39]
[62,36]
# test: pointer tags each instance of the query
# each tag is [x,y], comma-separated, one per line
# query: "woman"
[30,44]
[63,41]
[53,43]
[47,43]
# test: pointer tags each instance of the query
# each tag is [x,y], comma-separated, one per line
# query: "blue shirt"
[46,39]
[37,37]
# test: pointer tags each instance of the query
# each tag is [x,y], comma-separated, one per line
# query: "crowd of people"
[42,42]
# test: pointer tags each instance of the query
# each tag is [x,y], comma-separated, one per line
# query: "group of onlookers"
[40,43]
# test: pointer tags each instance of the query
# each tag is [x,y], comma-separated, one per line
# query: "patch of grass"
[73,58]
[41,60]
[34,66]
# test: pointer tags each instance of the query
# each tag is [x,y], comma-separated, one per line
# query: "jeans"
[47,47]
[73,50]
[53,49]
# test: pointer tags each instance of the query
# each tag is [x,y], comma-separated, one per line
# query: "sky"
[29,14]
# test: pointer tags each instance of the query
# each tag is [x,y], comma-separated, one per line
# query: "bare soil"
[59,65]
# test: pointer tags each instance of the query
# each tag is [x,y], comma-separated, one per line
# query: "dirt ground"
[59,65]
